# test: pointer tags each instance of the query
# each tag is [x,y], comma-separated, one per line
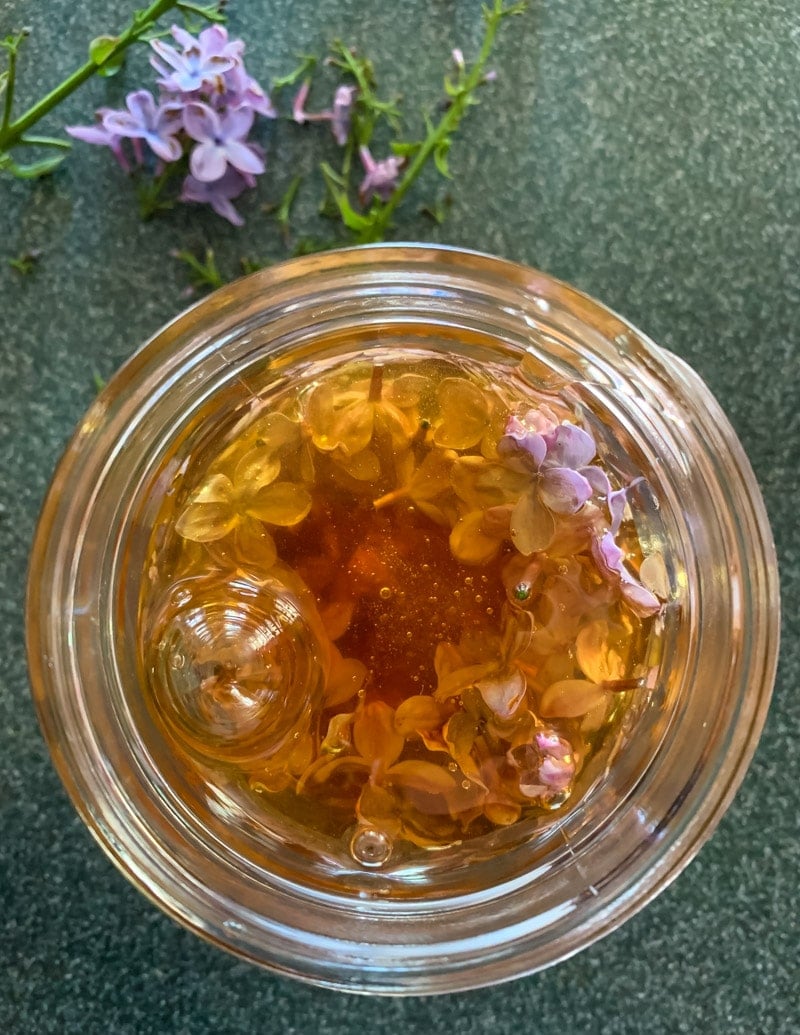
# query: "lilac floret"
[521,435]
[102,136]
[546,766]
[241,90]
[200,64]
[380,176]
[220,142]
[342,114]
[219,194]
[145,120]
[611,565]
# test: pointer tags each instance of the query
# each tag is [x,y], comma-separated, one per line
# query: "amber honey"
[399,603]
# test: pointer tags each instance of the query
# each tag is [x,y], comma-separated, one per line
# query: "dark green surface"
[644,150]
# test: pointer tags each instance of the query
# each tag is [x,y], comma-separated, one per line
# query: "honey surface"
[398,603]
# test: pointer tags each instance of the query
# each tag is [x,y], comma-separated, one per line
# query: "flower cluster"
[200,122]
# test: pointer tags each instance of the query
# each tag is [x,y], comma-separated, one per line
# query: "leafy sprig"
[372,225]
[106,54]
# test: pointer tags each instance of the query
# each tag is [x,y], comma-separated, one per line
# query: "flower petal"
[142,106]
[202,124]
[237,124]
[464,414]
[597,478]
[563,490]
[374,735]
[207,162]
[640,600]
[470,544]
[426,777]
[282,503]
[532,525]
[206,522]
[258,468]
[570,698]
[244,158]
[503,694]
[607,556]
[569,446]
[364,466]
[417,713]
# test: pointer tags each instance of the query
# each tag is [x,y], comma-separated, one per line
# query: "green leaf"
[351,219]
[209,12]
[406,148]
[440,157]
[202,274]
[307,64]
[284,210]
[60,145]
[100,50]
[33,170]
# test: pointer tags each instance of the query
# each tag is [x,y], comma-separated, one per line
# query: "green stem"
[9,99]
[11,132]
[448,125]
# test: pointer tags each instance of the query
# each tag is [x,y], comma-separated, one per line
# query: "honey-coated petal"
[417,713]
[374,735]
[258,468]
[463,414]
[600,649]
[282,503]
[421,776]
[206,522]
[470,544]
[532,525]
[570,699]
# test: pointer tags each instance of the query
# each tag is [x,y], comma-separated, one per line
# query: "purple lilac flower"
[610,563]
[220,139]
[560,454]
[381,177]
[100,134]
[145,120]
[546,766]
[241,90]
[219,193]
[200,63]
[339,116]
[342,113]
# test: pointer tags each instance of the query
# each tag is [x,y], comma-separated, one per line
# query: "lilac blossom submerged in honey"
[465,567]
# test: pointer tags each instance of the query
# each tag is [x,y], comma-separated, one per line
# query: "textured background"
[647,152]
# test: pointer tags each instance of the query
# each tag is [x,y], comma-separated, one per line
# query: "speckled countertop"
[648,152]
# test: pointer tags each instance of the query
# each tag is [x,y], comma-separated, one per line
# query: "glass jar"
[519,901]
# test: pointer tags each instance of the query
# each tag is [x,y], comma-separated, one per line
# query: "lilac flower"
[381,177]
[100,134]
[339,116]
[200,64]
[221,142]
[144,120]
[559,454]
[610,563]
[219,193]
[241,90]
[546,766]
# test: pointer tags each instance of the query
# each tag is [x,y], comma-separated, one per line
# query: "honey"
[401,602]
